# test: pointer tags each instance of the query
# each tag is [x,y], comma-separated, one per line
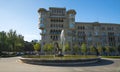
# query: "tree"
[15,41]
[107,49]
[100,50]
[34,42]
[118,48]
[11,39]
[76,48]
[19,43]
[48,48]
[114,50]
[84,48]
[67,47]
[37,47]
[103,48]
[3,41]
[45,47]
[28,46]
[92,50]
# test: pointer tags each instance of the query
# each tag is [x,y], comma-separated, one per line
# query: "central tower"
[53,21]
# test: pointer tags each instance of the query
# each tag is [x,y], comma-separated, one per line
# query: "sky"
[22,15]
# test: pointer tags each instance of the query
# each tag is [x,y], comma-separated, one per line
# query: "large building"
[54,20]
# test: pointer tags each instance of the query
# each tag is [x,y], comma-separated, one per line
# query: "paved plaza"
[13,64]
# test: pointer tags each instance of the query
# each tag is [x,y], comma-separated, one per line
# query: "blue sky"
[22,16]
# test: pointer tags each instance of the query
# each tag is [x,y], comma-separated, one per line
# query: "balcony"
[41,26]
[43,32]
[55,33]
[71,26]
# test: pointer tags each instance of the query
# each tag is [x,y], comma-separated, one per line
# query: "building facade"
[54,20]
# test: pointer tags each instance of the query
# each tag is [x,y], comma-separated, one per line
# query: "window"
[96,33]
[54,37]
[119,34]
[51,25]
[41,20]
[81,27]
[42,25]
[57,20]
[110,33]
[118,39]
[110,28]
[89,39]
[71,25]
[103,28]
[103,34]
[81,33]
[44,31]
[71,15]
[89,34]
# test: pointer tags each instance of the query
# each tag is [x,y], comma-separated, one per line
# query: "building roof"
[96,23]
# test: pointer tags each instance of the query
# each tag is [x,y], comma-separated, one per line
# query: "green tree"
[76,49]
[28,46]
[3,41]
[19,43]
[67,47]
[11,39]
[48,48]
[100,50]
[92,50]
[103,48]
[107,49]
[114,50]
[84,48]
[118,48]
[45,48]
[15,41]
[37,47]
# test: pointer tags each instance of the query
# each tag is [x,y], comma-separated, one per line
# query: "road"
[13,64]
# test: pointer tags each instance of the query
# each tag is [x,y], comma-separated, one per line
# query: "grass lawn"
[115,57]
[7,56]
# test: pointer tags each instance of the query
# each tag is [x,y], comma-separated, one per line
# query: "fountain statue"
[59,51]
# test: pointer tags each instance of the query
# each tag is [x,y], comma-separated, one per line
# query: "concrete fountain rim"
[39,61]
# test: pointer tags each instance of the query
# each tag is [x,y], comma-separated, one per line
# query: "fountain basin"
[59,61]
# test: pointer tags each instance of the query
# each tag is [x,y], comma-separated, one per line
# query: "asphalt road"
[13,64]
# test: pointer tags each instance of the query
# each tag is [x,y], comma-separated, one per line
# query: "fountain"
[62,40]
[59,58]
[60,51]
